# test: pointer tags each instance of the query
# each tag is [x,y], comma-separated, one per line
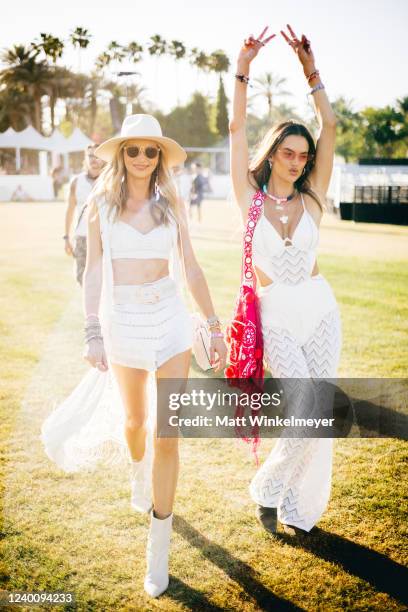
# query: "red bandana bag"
[244,334]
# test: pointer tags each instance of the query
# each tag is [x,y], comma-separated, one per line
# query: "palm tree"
[219,62]
[284,112]
[15,109]
[64,86]
[199,60]
[51,46]
[95,84]
[24,72]
[157,46]
[134,52]
[269,87]
[116,51]
[102,61]
[80,38]
[177,50]
[75,95]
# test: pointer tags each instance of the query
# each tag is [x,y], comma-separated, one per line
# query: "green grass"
[77,532]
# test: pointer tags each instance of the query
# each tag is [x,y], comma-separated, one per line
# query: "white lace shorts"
[150,324]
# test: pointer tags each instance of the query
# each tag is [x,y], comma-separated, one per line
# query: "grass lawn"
[78,533]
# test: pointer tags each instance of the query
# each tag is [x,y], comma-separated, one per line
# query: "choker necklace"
[279,200]
[278,203]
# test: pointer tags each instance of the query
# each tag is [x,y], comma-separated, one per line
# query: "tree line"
[33,81]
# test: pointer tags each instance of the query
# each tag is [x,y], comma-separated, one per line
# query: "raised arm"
[238,138]
[322,170]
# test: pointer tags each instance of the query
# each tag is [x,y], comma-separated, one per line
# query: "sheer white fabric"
[87,428]
[296,476]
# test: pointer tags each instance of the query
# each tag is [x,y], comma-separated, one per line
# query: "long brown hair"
[112,184]
[259,169]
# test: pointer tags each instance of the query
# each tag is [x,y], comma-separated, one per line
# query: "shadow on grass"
[381,572]
[191,598]
[237,570]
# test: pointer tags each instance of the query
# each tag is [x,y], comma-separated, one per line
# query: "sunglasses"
[149,152]
[291,155]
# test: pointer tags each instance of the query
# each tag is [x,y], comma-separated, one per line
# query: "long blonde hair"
[112,184]
[259,169]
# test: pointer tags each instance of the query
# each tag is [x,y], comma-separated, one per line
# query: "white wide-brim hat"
[145,127]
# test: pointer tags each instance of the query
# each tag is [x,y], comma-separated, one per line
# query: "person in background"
[79,190]
[57,180]
[182,178]
[19,195]
[197,190]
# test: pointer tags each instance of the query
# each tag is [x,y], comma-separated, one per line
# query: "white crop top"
[288,261]
[129,243]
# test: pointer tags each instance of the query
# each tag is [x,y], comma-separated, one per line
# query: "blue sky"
[360,45]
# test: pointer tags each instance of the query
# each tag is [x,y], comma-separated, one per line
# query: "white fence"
[346,176]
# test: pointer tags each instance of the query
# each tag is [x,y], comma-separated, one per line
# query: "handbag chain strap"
[255,211]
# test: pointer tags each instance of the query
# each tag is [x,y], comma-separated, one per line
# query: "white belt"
[143,294]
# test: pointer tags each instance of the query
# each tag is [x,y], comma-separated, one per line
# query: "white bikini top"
[288,261]
[129,243]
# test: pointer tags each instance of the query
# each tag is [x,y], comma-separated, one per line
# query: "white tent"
[38,185]
[77,141]
[57,142]
[28,138]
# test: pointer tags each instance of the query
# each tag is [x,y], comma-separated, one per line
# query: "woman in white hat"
[136,320]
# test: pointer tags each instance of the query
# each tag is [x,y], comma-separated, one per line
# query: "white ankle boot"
[141,484]
[158,543]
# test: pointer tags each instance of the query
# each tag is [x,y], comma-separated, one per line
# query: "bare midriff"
[264,279]
[139,271]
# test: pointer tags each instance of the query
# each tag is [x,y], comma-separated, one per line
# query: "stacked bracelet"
[243,78]
[314,74]
[316,88]
[217,334]
[92,328]
[213,321]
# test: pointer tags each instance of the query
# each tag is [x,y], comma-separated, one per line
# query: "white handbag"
[201,342]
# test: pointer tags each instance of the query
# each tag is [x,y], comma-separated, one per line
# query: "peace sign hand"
[252,46]
[301,47]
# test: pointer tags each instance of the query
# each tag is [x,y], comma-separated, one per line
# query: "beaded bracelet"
[315,73]
[214,320]
[316,88]
[89,338]
[243,78]
[92,326]
[217,335]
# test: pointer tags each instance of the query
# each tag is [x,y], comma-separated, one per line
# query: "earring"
[270,163]
[156,190]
